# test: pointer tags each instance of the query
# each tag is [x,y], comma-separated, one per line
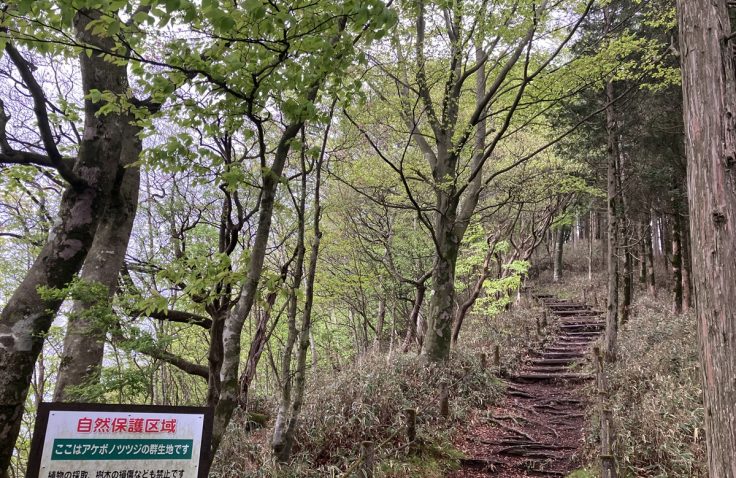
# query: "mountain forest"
[375,238]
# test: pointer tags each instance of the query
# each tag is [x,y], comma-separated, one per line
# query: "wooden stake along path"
[537,429]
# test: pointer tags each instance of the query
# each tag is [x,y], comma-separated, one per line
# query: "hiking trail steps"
[537,428]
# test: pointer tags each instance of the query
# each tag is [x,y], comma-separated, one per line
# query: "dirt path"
[537,429]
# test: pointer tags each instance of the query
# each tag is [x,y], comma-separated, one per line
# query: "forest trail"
[537,429]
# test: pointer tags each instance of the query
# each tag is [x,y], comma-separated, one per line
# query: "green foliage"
[97,312]
[499,292]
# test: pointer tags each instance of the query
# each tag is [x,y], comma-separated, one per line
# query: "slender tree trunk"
[260,336]
[379,324]
[84,342]
[686,268]
[642,230]
[214,358]
[613,233]
[677,263]
[26,318]
[709,88]
[283,442]
[557,263]
[665,246]
[625,238]
[628,288]
[279,442]
[230,393]
[654,225]
[651,279]
[411,330]
[313,351]
[590,248]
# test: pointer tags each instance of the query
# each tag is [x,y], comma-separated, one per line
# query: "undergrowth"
[656,395]
[367,402]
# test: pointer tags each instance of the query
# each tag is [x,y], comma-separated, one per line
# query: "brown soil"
[537,429]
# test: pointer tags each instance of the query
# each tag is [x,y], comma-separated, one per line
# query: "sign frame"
[45,408]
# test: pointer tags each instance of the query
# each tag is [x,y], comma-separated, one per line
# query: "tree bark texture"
[84,341]
[709,89]
[26,318]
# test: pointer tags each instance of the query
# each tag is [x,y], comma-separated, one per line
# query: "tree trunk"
[557,263]
[279,443]
[625,238]
[651,279]
[214,358]
[628,288]
[379,324]
[677,263]
[709,90]
[613,233]
[590,248]
[686,267]
[436,345]
[230,393]
[283,437]
[411,330]
[26,317]
[84,342]
[313,351]
[664,236]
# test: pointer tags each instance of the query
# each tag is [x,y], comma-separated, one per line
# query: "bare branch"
[39,107]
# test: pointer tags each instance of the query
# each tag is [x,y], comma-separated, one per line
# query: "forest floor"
[537,429]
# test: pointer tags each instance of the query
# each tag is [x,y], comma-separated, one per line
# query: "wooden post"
[444,403]
[483,361]
[411,424]
[544,318]
[496,356]
[608,460]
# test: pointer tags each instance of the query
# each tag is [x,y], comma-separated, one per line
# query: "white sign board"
[120,441]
